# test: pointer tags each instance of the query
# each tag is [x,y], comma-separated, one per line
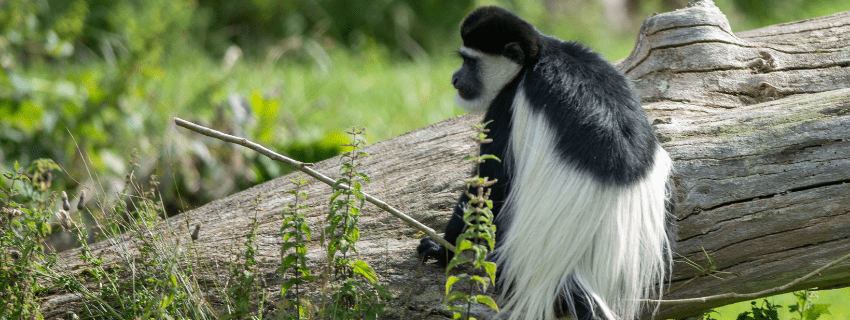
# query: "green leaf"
[464,245]
[450,282]
[487,300]
[289,259]
[490,267]
[284,287]
[362,268]
[354,233]
[164,303]
[457,260]
[490,157]
[337,193]
[455,295]
[306,230]
[816,310]
[481,280]
[286,245]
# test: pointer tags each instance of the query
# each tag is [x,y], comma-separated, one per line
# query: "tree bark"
[758,124]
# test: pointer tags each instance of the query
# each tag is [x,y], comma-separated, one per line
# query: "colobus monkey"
[581,199]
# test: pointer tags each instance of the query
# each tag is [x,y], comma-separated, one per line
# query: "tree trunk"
[758,124]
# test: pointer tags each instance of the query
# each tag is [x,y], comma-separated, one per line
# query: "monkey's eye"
[467,59]
[470,61]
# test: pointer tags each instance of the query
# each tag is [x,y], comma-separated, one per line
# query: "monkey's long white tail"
[580,236]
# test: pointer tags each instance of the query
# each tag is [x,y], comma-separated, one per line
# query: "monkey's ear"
[514,52]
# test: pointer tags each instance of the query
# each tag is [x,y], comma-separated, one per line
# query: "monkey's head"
[496,46]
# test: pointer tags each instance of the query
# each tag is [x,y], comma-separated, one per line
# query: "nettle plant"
[359,295]
[295,232]
[476,241]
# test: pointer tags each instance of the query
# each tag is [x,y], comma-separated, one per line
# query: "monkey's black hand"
[428,249]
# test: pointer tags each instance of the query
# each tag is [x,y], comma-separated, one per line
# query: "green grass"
[837,299]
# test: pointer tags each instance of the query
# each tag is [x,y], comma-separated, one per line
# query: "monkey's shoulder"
[570,68]
[596,116]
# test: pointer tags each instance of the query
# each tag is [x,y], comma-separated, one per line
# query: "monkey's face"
[480,78]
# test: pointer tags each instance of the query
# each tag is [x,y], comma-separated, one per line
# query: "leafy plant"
[709,315]
[359,294]
[244,275]
[765,311]
[24,224]
[805,308]
[295,232]
[478,239]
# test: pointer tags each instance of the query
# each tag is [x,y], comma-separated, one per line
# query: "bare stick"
[754,295]
[305,167]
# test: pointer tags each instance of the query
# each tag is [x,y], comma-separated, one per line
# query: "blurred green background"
[90,83]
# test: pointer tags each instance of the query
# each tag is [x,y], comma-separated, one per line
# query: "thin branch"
[305,167]
[754,295]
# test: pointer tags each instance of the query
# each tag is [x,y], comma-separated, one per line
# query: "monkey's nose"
[454,81]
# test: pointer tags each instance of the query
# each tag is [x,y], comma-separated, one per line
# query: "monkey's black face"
[466,79]
[480,78]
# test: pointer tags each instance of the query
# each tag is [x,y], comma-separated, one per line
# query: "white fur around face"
[568,230]
[496,72]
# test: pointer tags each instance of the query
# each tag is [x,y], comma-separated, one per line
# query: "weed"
[479,238]
[24,224]
[805,308]
[295,233]
[765,311]
[246,285]
[359,295]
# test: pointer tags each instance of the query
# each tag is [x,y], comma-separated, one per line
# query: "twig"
[754,295]
[305,167]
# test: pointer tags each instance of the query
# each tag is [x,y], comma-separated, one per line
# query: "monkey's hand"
[428,249]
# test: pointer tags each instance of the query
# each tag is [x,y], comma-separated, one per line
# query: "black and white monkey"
[581,197]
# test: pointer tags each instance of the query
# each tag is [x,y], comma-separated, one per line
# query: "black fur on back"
[599,123]
[489,29]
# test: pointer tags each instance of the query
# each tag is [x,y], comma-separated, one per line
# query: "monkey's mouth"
[467,94]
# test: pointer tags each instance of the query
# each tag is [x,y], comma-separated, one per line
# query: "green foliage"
[359,295]
[345,205]
[159,287]
[751,14]
[24,224]
[707,315]
[479,238]
[295,232]
[408,25]
[156,282]
[805,308]
[765,311]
